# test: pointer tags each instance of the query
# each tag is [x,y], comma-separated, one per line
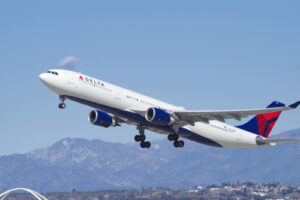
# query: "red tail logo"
[266,123]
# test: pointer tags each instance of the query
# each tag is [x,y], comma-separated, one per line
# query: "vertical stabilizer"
[262,124]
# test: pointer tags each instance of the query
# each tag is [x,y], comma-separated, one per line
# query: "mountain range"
[88,165]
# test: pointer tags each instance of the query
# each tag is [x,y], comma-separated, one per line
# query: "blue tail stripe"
[251,126]
[267,125]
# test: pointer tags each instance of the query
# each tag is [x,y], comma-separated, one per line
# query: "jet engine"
[101,118]
[159,116]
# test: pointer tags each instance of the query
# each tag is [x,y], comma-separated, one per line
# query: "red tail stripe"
[262,120]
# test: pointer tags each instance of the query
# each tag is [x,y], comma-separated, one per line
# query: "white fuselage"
[93,92]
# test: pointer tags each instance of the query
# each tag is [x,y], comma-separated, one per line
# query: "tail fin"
[262,124]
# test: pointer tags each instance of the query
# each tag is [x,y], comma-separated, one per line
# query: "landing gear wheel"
[143,145]
[170,137]
[181,143]
[62,105]
[137,138]
[147,144]
[173,137]
[176,144]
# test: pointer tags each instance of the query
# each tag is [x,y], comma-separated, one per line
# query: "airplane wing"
[221,115]
[184,117]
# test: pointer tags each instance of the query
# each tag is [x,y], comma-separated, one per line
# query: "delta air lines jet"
[115,105]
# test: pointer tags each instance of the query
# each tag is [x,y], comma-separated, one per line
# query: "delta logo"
[91,81]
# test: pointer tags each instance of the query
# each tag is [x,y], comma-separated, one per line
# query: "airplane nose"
[52,81]
[46,79]
[42,77]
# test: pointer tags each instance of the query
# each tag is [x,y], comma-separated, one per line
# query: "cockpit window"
[52,72]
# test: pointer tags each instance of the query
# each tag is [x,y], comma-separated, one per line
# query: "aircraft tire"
[176,144]
[143,145]
[181,143]
[137,138]
[170,137]
[61,105]
[147,145]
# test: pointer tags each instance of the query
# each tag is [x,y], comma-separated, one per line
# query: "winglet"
[294,105]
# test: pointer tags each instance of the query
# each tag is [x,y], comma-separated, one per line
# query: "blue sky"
[196,54]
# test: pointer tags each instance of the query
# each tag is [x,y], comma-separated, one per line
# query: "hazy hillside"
[94,165]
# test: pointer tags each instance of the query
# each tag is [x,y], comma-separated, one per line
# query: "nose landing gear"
[62,105]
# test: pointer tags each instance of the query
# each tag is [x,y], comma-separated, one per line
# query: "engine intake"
[158,116]
[101,118]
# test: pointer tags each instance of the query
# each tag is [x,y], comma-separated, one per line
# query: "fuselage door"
[118,95]
[71,79]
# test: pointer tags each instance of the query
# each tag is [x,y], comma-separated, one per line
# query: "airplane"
[114,105]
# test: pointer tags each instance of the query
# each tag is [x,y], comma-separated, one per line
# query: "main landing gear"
[141,138]
[62,105]
[174,137]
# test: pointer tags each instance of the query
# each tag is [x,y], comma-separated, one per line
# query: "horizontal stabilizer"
[261,141]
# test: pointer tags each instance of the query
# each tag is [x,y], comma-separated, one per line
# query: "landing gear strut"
[174,137]
[141,138]
[62,105]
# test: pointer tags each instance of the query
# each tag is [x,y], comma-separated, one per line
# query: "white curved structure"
[37,195]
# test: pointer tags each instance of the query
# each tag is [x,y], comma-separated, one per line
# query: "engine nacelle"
[158,116]
[100,118]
